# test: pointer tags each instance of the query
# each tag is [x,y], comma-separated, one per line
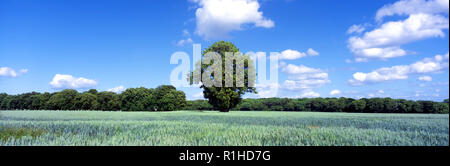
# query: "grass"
[7,134]
[215,128]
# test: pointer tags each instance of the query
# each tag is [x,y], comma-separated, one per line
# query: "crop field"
[192,128]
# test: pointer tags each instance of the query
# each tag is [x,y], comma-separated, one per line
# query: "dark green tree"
[86,101]
[63,100]
[357,106]
[417,107]
[375,105]
[138,99]
[108,101]
[390,105]
[442,108]
[318,105]
[169,99]
[333,105]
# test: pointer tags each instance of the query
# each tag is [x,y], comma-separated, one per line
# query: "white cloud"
[290,54]
[385,42]
[335,92]
[187,40]
[312,52]
[425,78]
[408,7]
[183,42]
[267,90]
[401,72]
[293,69]
[9,72]
[118,89]
[296,85]
[356,29]
[302,77]
[309,94]
[216,18]
[197,96]
[23,71]
[61,81]
[186,33]
[378,93]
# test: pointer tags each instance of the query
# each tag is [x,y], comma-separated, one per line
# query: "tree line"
[364,105]
[167,98]
[162,98]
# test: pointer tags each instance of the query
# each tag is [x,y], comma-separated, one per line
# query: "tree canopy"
[373,105]
[163,98]
[224,90]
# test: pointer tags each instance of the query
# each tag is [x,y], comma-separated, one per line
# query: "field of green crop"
[215,128]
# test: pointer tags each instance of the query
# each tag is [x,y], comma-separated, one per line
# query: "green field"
[215,128]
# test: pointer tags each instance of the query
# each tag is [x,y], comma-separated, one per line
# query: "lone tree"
[225,78]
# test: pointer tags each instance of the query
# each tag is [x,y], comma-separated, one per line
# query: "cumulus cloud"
[267,90]
[385,42]
[401,72]
[294,69]
[290,54]
[187,38]
[408,7]
[312,52]
[425,78]
[379,93]
[216,18]
[309,94]
[356,29]
[183,42]
[118,89]
[61,81]
[303,77]
[335,92]
[9,72]
[425,19]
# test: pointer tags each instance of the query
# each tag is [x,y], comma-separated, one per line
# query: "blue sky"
[395,49]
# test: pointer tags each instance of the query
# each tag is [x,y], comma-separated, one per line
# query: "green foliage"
[358,106]
[198,105]
[86,101]
[373,105]
[63,100]
[108,101]
[138,99]
[442,108]
[163,98]
[224,98]
[169,99]
[7,134]
[193,128]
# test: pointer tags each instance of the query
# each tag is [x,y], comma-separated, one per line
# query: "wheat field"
[195,128]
